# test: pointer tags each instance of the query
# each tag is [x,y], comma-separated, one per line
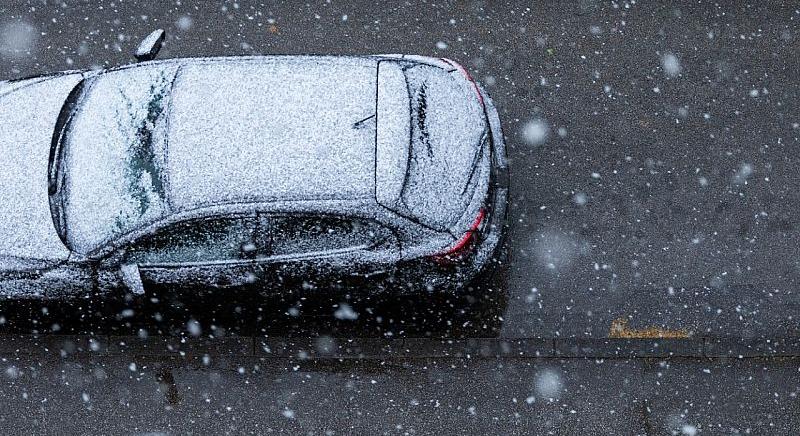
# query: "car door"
[44,278]
[306,251]
[193,255]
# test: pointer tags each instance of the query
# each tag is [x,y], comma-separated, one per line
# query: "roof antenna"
[150,46]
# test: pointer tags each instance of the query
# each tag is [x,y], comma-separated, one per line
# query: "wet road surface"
[651,147]
[654,192]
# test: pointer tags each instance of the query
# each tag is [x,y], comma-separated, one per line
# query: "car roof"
[271,128]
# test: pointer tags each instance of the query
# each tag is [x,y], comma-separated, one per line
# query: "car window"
[114,152]
[447,127]
[200,240]
[308,234]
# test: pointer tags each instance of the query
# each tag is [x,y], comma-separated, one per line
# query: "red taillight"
[466,74]
[463,245]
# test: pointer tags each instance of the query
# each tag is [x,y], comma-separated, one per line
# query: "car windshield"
[113,153]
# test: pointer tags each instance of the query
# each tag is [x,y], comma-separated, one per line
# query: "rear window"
[291,235]
[447,129]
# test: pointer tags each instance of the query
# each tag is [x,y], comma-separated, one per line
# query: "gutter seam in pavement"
[380,348]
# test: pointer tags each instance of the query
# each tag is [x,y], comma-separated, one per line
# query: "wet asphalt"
[663,196]
[653,160]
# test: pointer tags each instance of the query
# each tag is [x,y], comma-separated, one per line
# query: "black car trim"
[205,263]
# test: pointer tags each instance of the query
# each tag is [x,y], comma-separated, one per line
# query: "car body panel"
[27,118]
[262,271]
[276,136]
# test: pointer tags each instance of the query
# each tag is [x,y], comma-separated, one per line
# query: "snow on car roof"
[272,128]
[166,137]
[27,118]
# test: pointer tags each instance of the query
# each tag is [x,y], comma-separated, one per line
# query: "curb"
[326,347]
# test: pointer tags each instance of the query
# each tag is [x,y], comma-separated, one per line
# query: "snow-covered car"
[249,172]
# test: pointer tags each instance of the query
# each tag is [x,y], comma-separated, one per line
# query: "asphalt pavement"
[653,161]
[147,387]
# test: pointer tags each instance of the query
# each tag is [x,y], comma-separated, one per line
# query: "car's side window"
[199,240]
[289,235]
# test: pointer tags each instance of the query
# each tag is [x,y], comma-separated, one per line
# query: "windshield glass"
[114,154]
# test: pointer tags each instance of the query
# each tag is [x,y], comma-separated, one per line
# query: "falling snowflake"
[345,312]
[184,23]
[671,65]
[17,39]
[536,132]
[193,327]
[548,384]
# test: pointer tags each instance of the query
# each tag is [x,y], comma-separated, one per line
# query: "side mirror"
[132,278]
[150,46]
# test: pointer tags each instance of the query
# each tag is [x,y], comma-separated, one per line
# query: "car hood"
[28,114]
